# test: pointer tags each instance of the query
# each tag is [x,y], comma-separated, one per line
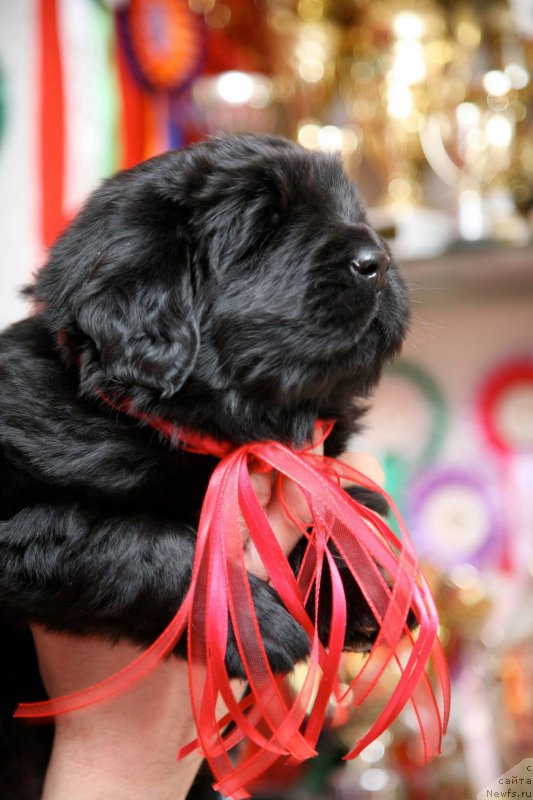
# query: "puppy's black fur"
[218,286]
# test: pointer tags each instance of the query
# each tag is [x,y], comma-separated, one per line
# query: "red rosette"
[164,41]
[505,379]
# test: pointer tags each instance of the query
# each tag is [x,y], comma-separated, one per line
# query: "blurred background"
[431,105]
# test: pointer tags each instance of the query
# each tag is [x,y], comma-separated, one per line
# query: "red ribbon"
[220,590]
[131,103]
[52,124]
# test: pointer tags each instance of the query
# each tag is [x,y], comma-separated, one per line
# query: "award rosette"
[505,411]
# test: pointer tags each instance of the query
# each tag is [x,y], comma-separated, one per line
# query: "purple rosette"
[455,517]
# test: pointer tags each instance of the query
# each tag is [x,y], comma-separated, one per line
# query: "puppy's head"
[234,286]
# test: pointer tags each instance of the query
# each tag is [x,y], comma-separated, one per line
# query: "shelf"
[479,271]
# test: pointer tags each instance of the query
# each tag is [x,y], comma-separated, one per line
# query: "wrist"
[125,747]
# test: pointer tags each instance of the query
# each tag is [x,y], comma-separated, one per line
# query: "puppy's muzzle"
[371,265]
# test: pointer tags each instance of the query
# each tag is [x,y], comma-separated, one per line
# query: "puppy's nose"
[372,263]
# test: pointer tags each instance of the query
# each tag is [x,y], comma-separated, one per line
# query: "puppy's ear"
[140,336]
[118,283]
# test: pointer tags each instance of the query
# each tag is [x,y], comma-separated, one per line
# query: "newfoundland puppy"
[234,287]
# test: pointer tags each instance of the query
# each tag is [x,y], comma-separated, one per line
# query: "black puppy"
[234,287]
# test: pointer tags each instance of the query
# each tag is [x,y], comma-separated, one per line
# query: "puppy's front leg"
[123,578]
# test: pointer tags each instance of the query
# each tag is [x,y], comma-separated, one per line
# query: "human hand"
[287,533]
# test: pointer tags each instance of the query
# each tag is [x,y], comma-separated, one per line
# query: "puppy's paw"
[284,640]
[368,498]
[362,627]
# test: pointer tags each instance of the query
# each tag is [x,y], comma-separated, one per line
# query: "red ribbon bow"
[276,723]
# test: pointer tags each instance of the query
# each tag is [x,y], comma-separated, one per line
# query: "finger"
[262,486]
[285,530]
[288,496]
[318,441]
[365,463]
[253,562]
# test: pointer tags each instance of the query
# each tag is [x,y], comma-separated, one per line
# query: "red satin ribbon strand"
[220,592]
[283,580]
[399,699]
[116,683]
